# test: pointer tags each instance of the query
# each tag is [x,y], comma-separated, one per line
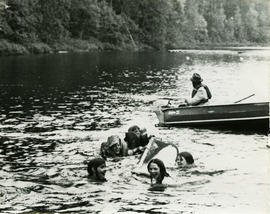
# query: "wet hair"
[94,163]
[133,128]
[113,139]
[161,167]
[187,156]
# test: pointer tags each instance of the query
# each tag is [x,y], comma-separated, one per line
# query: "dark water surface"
[56,110]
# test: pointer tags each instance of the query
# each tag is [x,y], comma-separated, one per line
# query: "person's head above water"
[135,129]
[157,171]
[97,169]
[114,143]
[185,158]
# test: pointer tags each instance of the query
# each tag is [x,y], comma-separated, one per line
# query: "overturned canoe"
[246,116]
[157,149]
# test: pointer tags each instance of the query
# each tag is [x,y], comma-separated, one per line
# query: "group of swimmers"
[135,142]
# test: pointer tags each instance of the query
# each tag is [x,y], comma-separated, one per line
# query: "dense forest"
[40,26]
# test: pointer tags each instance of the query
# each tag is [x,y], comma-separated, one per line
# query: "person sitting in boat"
[114,147]
[200,94]
[136,137]
[96,169]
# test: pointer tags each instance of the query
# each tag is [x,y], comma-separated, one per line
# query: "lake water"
[57,109]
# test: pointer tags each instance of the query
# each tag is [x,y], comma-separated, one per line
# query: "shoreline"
[76,46]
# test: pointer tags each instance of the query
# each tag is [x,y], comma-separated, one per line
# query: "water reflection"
[56,110]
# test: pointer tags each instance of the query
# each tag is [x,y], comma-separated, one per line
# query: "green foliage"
[22,19]
[38,48]
[40,25]
[84,19]
[9,48]
[175,25]
[239,34]
[55,20]
[111,25]
[195,26]
[74,45]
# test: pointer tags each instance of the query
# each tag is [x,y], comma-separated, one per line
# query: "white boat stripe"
[217,120]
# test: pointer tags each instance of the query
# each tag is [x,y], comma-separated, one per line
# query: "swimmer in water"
[115,147]
[160,179]
[137,137]
[97,169]
[157,171]
[184,159]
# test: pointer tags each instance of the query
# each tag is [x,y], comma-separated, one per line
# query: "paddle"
[238,101]
[169,98]
[175,101]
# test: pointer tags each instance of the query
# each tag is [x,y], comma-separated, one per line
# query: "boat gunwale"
[217,120]
[209,106]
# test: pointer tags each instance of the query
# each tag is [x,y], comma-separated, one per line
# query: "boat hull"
[246,116]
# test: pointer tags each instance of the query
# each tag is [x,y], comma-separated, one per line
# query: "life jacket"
[209,95]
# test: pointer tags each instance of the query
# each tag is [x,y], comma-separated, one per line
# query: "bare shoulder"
[169,181]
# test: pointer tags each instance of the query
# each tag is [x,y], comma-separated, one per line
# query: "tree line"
[132,24]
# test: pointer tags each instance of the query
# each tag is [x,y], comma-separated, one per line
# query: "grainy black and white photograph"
[134,106]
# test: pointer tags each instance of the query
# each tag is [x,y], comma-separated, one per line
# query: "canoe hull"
[235,116]
[157,149]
